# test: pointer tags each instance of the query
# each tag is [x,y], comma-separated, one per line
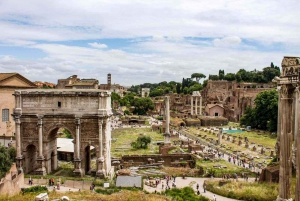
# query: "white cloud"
[98,45]
[170,39]
[227,41]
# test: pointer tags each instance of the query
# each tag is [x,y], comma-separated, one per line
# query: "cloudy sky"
[140,41]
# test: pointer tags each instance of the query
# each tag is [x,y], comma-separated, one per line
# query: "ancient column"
[196,109]
[285,162]
[77,151]
[40,124]
[167,114]
[220,135]
[19,157]
[41,170]
[192,105]
[77,160]
[277,145]
[100,170]
[200,105]
[296,141]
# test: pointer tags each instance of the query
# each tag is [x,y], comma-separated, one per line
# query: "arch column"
[19,157]
[41,170]
[100,161]
[77,160]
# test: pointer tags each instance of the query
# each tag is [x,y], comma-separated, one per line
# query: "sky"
[144,41]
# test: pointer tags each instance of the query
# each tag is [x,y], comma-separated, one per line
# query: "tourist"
[198,192]
[214,198]
[197,186]
[204,188]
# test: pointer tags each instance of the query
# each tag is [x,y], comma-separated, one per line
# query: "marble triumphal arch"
[39,114]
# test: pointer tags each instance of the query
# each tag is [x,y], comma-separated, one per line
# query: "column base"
[19,163]
[78,172]
[283,199]
[101,174]
[41,170]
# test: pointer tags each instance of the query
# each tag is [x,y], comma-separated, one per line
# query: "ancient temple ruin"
[288,127]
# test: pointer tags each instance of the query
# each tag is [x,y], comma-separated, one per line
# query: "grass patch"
[208,166]
[90,195]
[125,136]
[248,191]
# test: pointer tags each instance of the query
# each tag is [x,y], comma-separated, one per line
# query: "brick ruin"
[231,96]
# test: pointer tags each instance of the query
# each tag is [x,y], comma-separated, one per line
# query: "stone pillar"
[192,99]
[196,108]
[167,114]
[19,157]
[285,162]
[41,170]
[40,124]
[100,160]
[296,145]
[220,136]
[77,160]
[200,105]
[277,145]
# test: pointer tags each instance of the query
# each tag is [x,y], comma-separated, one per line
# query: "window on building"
[59,104]
[216,114]
[5,115]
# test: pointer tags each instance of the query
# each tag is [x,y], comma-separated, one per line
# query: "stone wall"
[166,160]
[12,182]
[213,121]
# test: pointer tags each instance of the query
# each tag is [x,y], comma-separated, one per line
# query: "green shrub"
[141,142]
[184,194]
[36,189]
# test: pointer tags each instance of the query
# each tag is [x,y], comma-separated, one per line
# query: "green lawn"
[124,136]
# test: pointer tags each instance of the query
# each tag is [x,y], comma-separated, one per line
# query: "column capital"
[77,121]
[40,121]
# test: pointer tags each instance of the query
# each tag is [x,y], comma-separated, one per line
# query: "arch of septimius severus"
[288,127]
[39,114]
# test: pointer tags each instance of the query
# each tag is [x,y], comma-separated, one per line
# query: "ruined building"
[234,97]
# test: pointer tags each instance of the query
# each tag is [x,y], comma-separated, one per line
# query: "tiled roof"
[213,105]
[4,76]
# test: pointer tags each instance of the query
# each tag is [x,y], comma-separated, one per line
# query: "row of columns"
[196,105]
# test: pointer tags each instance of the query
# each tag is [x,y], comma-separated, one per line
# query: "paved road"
[189,181]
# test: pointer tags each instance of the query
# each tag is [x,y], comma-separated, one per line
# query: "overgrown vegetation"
[141,142]
[264,114]
[184,194]
[35,189]
[7,157]
[248,191]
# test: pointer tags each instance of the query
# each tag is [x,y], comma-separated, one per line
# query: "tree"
[213,77]
[178,88]
[264,114]
[7,156]
[229,77]
[142,105]
[198,76]
[269,73]
[141,142]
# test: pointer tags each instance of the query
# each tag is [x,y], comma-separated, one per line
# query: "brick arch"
[48,128]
